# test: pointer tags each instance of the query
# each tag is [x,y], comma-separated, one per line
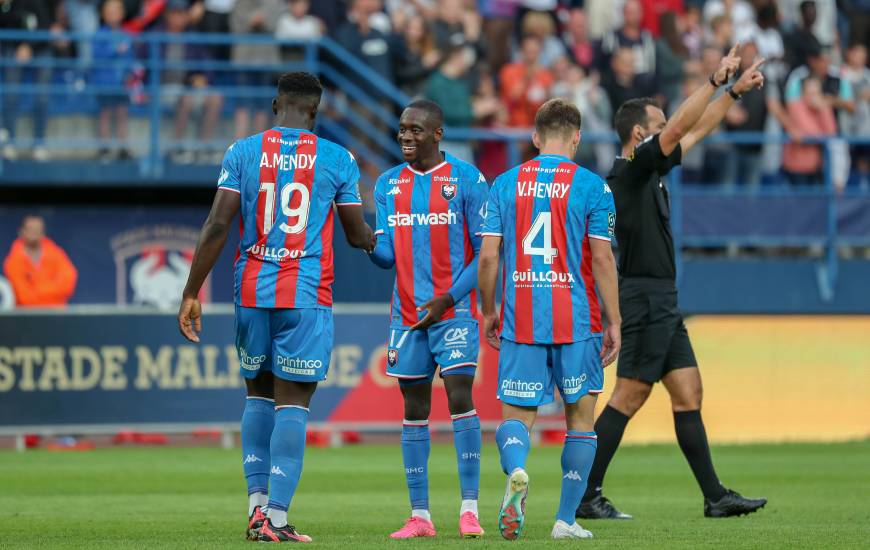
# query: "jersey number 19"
[300,212]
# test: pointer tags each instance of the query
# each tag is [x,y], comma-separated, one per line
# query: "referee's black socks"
[609,427]
[693,441]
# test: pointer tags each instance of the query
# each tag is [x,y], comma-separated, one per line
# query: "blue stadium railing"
[360,110]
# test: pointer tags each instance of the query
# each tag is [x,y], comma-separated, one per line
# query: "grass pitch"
[354,497]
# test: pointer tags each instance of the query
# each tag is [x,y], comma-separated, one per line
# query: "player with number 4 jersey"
[285,182]
[554,221]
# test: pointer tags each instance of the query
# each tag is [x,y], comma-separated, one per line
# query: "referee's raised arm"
[688,114]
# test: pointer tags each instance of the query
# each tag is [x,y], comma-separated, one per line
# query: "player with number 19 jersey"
[546,210]
[288,180]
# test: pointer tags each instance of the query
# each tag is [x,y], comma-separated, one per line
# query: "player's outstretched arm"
[604,272]
[357,231]
[487,278]
[715,112]
[211,242]
[691,110]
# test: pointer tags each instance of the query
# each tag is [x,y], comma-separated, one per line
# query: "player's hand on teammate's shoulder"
[491,326]
[611,344]
[435,309]
[190,318]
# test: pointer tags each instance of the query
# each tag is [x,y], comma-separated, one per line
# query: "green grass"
[353,497]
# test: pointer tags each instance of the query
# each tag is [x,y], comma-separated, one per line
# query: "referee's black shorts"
[654,336]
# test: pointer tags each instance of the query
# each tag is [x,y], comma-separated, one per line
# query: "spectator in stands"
[653,11]
[39,271]
[767,37]
[584,91]
[82,16]
[29,15]
[739,12]
[418,57]
[580,45]
[631,36]
[255,62]
[802,40]
[213,16]
[297,24]
[812,115]
[622,82]
[498,19]
[747,115]
[671,54]
[693,31]
[458,25]
[449,87]
[525,84]
[369,44]
[147,15]
[856,72]
[540,24]
[492,157]
[188,89]
[837,91]
[113,56]
[721,34]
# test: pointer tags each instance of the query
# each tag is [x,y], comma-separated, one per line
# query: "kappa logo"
[607,189]
[392,357]
[395,191]
[573,475]
[251,459]
[456,354]
[484,210]
[512,441]
[277,471]
[448,191]
[223,177]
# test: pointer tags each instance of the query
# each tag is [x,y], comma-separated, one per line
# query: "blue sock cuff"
[586,438]
[466,423]
[414,432]
[261,406]
[291,414]
[510,421]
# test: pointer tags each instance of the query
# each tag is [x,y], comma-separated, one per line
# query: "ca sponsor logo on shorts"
[520,388]
[296,365]
[456,338]
[250,362]
[572,385]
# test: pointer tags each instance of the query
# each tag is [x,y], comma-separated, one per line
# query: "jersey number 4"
[543,224]
[300,213]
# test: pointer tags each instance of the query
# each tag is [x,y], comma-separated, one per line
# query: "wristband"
[733,94]
[713,80]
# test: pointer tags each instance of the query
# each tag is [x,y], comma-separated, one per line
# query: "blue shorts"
[412,357]
[295,344]
[528,372]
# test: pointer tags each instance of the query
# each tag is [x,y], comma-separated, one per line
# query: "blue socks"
[287,449]
[577,456]
[466,439]
[415,455]
[512,438]
[257,423]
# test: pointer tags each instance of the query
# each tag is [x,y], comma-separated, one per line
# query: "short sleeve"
[348,188]
[602,213]
[793,89]
[231,175]
[475,202]
[381,205]
[491,224]
[648,157]
[845,92]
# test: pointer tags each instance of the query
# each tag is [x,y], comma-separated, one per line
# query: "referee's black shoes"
[732,504]
[599,508]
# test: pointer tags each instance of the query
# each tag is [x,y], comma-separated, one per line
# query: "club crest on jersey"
[392,357]
[448,191]
[152,263]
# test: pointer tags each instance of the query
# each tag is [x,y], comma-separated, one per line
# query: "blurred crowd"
[489,64]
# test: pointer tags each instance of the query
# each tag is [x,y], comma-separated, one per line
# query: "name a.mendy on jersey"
[543,190]
[288,162]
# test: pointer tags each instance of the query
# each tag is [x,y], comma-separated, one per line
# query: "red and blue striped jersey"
[430,222]
[546,210]
[288,180]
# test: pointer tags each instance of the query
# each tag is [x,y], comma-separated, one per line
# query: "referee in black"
[655,344]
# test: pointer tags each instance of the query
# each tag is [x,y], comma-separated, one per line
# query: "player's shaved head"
[558,119]
[298,98]
[434,115]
